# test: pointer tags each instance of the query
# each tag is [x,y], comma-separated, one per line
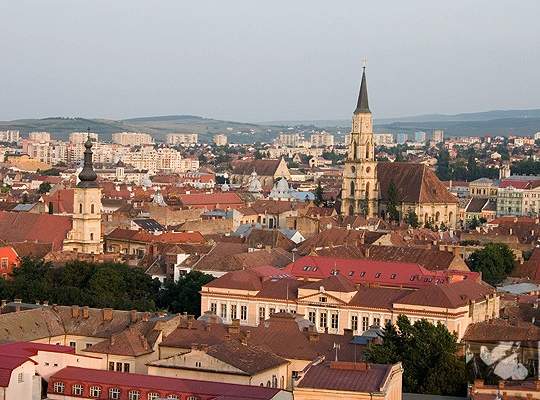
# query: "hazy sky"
[266,60]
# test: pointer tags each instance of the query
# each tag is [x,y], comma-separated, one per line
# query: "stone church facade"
[366,182]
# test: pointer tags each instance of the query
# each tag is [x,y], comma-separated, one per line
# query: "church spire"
[88,176]
[362,106]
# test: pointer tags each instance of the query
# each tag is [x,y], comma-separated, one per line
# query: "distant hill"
[502,122]
[158,126]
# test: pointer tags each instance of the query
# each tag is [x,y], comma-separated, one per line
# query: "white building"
[182,138]
[80,137]
[131,138]
[323,139]
[220,140]
[9,136]
[383,139]
[437,136]
[39,136]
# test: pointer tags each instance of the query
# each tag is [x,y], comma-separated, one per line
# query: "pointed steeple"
[88,176]
[362,106]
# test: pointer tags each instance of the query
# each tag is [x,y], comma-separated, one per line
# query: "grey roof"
[23,207]
[362,106]
[519,288]
[149,224]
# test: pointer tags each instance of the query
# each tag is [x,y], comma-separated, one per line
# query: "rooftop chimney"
[133,316]
[17,305]
[85,312]
[74,311]
[107,314]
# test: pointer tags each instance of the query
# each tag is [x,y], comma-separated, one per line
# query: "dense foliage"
[495,261]
[102,285]
[393,201]
[526,167]
[428,354]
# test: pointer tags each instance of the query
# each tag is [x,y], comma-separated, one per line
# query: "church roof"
[362,106]
[415,183]
[261,167]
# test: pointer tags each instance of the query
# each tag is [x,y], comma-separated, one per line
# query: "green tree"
[319,195]
[474,223]
[44,187]
[412,219]
[428,354]
[183,295]
[495,261]
[393,200]
[443,165]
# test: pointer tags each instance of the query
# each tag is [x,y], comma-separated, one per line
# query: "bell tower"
[359,191]
[85,236]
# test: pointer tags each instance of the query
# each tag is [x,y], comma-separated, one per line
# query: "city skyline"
[266,62]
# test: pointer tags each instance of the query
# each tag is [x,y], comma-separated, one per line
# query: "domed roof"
[282,185]
[254,185]
[87,177]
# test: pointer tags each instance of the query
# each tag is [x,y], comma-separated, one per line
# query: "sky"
[266,60]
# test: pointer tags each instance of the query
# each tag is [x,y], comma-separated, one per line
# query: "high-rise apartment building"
[9,136]
[383,139]
[131,138]
[39,136]
[182,138]
[220,140]
[322,139]
[437,136]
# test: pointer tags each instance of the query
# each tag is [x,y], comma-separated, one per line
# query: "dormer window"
[378,275]
[393,276]
[323,299]
[362,274]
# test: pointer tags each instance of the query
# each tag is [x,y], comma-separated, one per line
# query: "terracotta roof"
[275,207]
[8,363]
[42,228]
[320,212]
[415,183]
[261,167]
[284,288]
[347,377]
[166,237]
[260,238]
[378,297]
[451,295]
[246,357]
[32,249]
[205,199]
[334,283]
[337,237]
[158,383]
[500,330]
[133,341]
[476,205]
[61,201]
[244,280]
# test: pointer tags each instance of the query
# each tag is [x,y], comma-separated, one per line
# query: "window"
[351,273]
[312,316]
[88,345]
[378,275]
[365,323]
[243,313]
[80,208]
[111,365]
[172,397]
[95,391]
[233,311]
[362,274]
[198,364]
[334,321]
[323,320]
[58,387]
[323,299]
[354,323]
[272,310]
[274,381]
[92,209]
[262,313]
[213,308]
[393,276]
[77,389]
[387,321]
[91,236]
[20,377]
[134,395]
[153,396]
[224,311]
[377,321]
[72,344]
[4,263]
[126,367]
[119,366]
[192,398]
[114,393]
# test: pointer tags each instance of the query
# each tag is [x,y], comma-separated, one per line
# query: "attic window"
[393,276]
[362,274]
[378,275]
[351,273]
[412,278]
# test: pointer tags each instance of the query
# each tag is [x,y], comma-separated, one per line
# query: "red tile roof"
[42,228]
[28,349]
[166,237]
[162,384]
[61,201]
[8,363]
[348,377]
[384,273]
[210,200]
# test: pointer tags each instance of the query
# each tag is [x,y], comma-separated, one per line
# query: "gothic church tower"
[85,236]
[360,191]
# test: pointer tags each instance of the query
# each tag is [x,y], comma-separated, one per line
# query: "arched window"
[367,191]
[80,208]
[354,150]
[91,236]
[367,150]
[134,395]
[92,208]
[450,216]
[351,209]
[437,216]
[114,393]
[352,188]
[51,207]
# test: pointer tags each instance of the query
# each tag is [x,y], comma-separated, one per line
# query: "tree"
[495,261]
[183,295]
[443,165]
[44,187]
[412,219]
[393,201]
[428,354]
[474,223]
[319,195]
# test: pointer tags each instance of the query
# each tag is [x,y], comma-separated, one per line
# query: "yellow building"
[85,237]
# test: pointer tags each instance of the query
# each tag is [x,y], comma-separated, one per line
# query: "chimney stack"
[17,305]
[85,312]
[74,311]
[107,314]
[133,316]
